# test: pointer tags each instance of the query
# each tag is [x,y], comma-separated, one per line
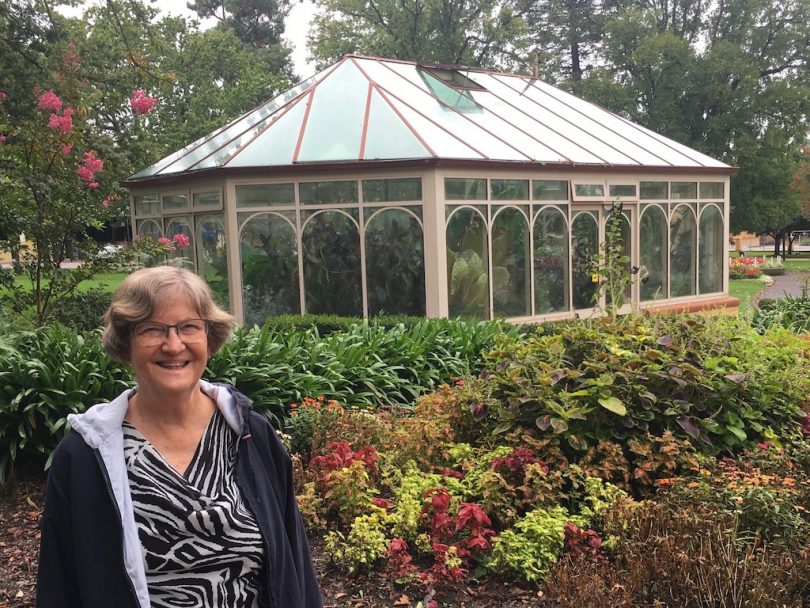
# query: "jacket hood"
[105,419]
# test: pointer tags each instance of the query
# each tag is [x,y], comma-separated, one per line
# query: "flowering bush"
[745,268]
[141,103]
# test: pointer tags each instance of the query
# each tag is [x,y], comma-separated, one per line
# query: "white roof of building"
[368,110]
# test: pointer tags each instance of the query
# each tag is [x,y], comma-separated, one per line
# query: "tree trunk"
[776,241]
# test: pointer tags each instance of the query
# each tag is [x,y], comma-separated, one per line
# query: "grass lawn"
[746,290]
[105,280]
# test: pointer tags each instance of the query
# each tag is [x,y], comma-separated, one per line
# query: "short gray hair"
[136,298]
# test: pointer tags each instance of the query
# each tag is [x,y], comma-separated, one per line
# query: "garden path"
[789,284]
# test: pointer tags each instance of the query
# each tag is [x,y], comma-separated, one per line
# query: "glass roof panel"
[335,124]
[606,126]
[276,145]
[414,92]
[563,120]
[460,99]
[682,155]
[389,137]
[185,159]
[503,101]
[442,143]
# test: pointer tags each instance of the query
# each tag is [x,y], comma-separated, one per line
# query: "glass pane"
[205,199]
[509,189]
[150,228]
[711,189]
[212,256]
[331,250]
[269,258]
[327,193]
[395,264]
[394,190]
[682,190]
[550,262]
[510,264]
[337,113]
[683,241]
[550,190]
[622,190]
[653,190]
[584,245]
[147,204]
[387,135]
[181,257]
[712,252]
[589,189]
[265,195]
[175,201]
[653,253]
[465,189]
[467,265]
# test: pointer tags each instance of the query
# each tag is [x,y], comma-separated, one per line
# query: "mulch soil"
[21,509]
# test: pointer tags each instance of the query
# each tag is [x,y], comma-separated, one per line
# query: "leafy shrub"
[82,311]
[365,543]
[533,546]
[44,376]
[789,312]
[710,381]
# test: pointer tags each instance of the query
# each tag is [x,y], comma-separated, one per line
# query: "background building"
[382,186]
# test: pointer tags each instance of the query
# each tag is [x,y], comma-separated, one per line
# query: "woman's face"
[172,367]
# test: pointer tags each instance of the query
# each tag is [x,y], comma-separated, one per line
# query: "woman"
[176,493]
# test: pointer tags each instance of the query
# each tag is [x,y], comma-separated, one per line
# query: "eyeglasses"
[190,331]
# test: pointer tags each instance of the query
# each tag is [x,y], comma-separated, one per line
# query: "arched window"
[269,257]
[395,264]
[331,255]
[550,261]
[150,228]
[653,237]
[510,264]
[682,252]
[584,245]
[212,256]
[467,267]
[181,225]
[712,250]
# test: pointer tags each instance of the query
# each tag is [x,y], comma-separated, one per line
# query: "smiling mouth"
[173,364]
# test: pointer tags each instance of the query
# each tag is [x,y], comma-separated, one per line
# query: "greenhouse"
[390,187]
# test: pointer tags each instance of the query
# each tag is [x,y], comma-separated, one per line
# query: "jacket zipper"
[108,484]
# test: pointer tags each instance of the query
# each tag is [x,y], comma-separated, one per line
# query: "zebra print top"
[200,541]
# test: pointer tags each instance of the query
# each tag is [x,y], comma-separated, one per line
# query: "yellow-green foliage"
[349,491]
[479,466]
[409,487]
[533,546]
[600,495]
[365,543]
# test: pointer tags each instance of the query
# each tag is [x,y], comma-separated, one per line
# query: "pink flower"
[2,139]
[93,163]
[182,241]
[2,96]
[49,101]
[88,168]
[67,149]
[163,241]
[141,102]
[106,203]
[63,123]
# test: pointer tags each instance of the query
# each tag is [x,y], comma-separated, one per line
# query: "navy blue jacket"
[87,557]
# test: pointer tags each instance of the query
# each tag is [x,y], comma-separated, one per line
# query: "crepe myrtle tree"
[53,190]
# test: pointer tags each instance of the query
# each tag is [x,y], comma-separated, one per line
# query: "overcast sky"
[296,26]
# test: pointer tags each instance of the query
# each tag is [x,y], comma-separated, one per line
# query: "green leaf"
[612,404]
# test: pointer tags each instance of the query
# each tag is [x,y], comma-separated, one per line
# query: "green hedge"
[789,312]
[48,374]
